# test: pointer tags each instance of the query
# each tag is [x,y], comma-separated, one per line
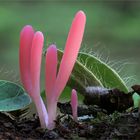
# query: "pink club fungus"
[74,104]
[58,82]
[30,53]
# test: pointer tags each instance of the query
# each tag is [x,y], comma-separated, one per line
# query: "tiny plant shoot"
[30,53]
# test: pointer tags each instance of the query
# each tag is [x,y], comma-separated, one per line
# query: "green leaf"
[90,71]
[12,96]
[103,72]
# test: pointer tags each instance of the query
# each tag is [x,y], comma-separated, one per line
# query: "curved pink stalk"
[26,37]
[74,104]
[70,53]
[51,69]
[35,66]
[35,62]
[68,60]
[30,61]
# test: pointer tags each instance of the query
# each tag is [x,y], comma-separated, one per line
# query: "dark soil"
[118,126]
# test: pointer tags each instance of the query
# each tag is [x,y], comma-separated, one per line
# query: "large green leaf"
[90,71]
[12,96]
[107,75]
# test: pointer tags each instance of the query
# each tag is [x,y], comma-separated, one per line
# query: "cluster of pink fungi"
[30,54]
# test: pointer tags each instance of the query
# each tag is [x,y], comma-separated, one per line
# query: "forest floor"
[116,126]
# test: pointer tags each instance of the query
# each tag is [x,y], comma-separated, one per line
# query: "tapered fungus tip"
[74,97]
[81,15]
[80,12]
[27,28]
[39,34]
[52,46]
[39,38]
[74,91]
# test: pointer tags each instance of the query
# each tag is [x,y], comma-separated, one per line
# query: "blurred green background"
[112,31]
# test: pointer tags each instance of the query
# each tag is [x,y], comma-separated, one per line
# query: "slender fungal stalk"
[72,47]
[30,62]
[26,37]
[51,70]
[31,45]
[74,104]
